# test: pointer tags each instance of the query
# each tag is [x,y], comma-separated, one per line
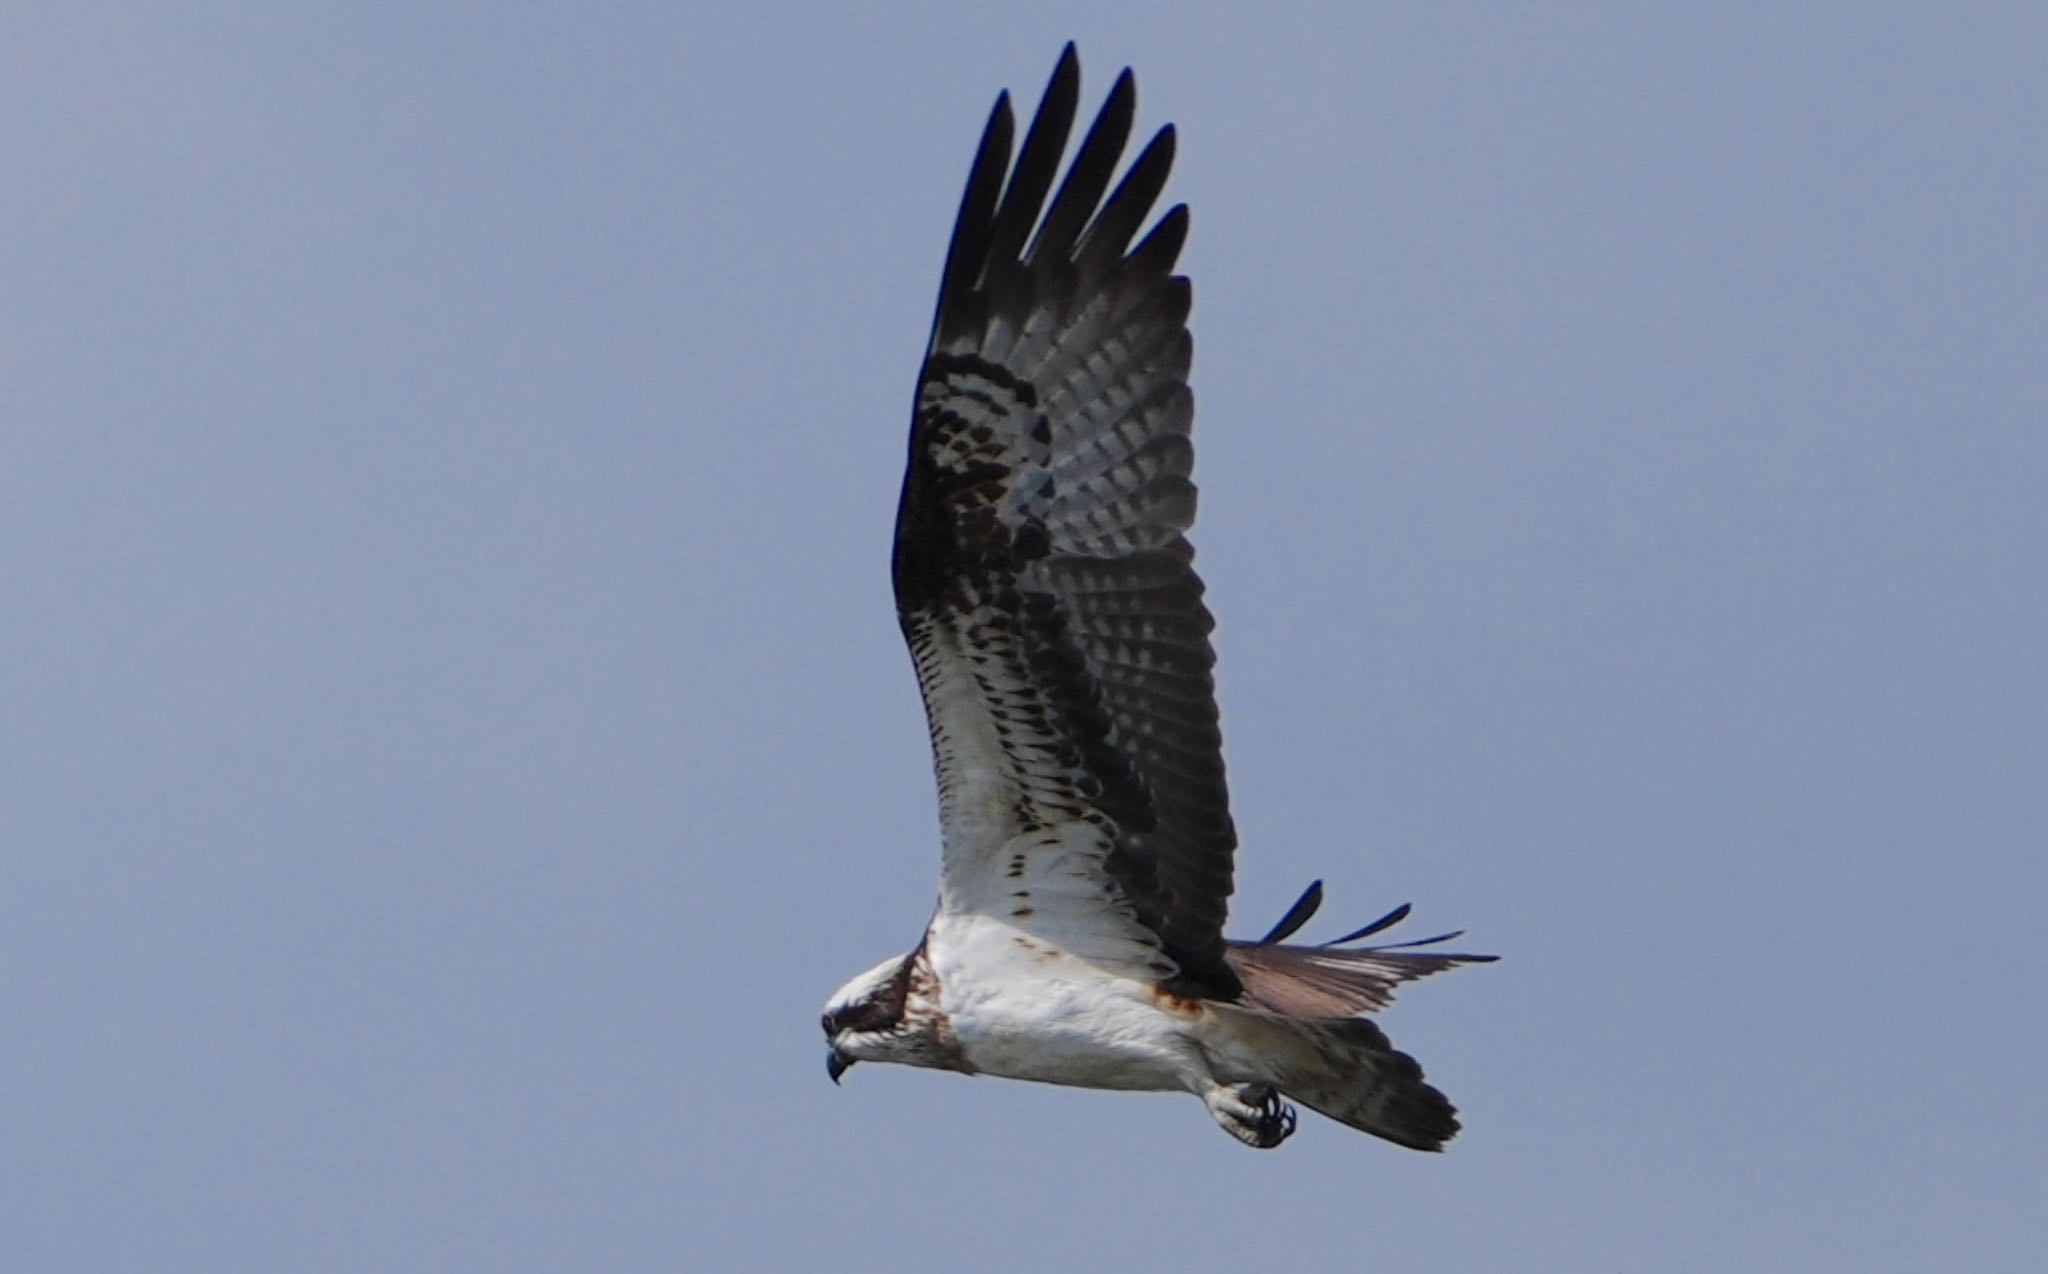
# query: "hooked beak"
[836,1063]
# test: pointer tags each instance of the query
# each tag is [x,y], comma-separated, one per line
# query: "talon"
[1276,1118]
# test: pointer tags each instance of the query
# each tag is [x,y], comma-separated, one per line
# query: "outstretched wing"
[1042,577]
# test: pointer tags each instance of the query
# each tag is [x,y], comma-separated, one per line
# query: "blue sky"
[456,735]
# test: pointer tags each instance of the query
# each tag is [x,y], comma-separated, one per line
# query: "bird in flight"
[1046,589]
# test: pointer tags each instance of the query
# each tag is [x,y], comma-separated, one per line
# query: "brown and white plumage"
[1046,589]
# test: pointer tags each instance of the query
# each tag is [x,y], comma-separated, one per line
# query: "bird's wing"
[1042,577]
[1334,979]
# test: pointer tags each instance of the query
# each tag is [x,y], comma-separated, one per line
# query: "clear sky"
[453,731]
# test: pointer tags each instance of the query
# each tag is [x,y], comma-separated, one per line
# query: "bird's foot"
[1252,1113]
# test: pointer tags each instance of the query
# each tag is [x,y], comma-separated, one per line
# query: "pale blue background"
[453,732]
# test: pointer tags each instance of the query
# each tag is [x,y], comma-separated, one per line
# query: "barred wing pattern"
[1042,578]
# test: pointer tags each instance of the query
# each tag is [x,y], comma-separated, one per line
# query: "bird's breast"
[1024,1009]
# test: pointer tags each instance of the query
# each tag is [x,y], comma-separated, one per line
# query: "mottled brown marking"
[924,1017]
[1039,952]
[1178,1005]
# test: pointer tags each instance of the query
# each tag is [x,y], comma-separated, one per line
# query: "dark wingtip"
[1421,942]
[1161,246]
[1297,915]
[1066,73]
[1125,89]
[1167,139]
[1388,921]
[999,117]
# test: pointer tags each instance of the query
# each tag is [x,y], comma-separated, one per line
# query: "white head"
[888,1014]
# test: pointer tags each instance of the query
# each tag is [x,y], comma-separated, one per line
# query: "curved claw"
[1277,1119]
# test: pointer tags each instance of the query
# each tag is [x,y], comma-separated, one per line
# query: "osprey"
[1046,590]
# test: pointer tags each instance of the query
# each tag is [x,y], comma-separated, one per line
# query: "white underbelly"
[1030,1012]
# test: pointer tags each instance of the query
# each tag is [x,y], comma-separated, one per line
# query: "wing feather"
[1043,579]
[1326,980]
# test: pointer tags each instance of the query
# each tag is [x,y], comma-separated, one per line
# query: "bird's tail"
[1358,1078]
[1333,1060]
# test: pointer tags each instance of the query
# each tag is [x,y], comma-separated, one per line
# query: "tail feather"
[1363,1081]
[1342,1065]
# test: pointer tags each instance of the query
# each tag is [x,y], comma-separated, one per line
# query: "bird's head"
[864,1020]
